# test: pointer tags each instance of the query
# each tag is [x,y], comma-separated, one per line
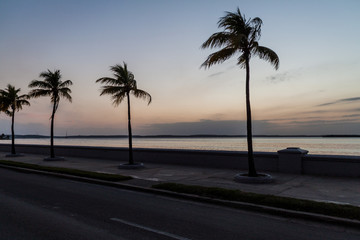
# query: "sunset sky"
[315,91]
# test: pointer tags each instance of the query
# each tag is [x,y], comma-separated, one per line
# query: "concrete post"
[290,160]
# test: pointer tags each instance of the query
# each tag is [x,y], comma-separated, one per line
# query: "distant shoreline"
[190,136]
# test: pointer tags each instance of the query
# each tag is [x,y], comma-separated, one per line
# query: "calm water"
[318,145]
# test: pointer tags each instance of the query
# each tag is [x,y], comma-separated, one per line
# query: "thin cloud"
[216,74]
[354,99]
[280,77]
[291,119]
[200,127]
[315,112]
[351,115]
[205,126]
[266,127]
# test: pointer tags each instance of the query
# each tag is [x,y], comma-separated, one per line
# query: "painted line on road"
[149,229]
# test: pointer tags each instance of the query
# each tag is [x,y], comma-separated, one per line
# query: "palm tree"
[11,102]
[240,36]
[120,88]
[53,87]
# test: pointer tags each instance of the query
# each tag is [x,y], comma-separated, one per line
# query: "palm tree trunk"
[252,171]
[52,152]
[13,132]
[131,160]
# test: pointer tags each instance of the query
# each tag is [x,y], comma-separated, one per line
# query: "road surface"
[42,207]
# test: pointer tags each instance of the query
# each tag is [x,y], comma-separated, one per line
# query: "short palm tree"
[240,36]
[53,87]
[120,88]
[11,102]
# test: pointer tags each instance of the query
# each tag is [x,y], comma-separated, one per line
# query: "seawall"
[329,165]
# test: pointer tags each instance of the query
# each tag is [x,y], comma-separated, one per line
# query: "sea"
[315,145]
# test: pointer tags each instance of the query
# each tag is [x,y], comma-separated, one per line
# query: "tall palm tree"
[120,88]
[53,87]
[11,102]
[240,36]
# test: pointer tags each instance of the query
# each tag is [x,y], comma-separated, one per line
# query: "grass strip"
[70,171]
[330,209]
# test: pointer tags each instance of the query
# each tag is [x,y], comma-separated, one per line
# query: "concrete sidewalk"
[319,188]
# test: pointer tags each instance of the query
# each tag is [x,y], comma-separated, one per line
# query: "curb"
[226,203]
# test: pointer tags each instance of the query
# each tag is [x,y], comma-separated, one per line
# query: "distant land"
[188,136]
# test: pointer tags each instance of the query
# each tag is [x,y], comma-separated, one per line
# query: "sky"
[315,91]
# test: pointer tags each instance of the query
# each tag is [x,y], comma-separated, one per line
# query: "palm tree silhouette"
[240,36]
[11,102]
[53,87]
[120,88]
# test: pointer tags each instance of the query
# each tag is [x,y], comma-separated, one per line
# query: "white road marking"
[149,229]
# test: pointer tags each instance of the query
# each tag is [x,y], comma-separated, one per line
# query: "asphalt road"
[42,207]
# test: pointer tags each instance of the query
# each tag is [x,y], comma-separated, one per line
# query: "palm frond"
[256,24]
[217,40]
[65,84]
[110,90]
[4,103]
[107,80]
[51,86]
[118,71]
[55,98]
[256,21]
[7,112]
[45,74]
[268,55]
[24,97]
[121,73]
[131,76]
[9,99]
[20,103]
[48,75]
[66,95]
[142,94]
[64,89]
[123,83]
[39,84]
[118,77]
[35,93]
[23,102]
[117,68]
[231,20]
[239,35]
[118,98]
[219,57]
[242,60]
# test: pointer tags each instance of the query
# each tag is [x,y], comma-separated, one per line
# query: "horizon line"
[181,136]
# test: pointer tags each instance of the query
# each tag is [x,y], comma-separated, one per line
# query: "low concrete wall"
[198,158]
[310,164]
[331,165]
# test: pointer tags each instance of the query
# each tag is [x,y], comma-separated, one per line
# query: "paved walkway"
[328,189]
